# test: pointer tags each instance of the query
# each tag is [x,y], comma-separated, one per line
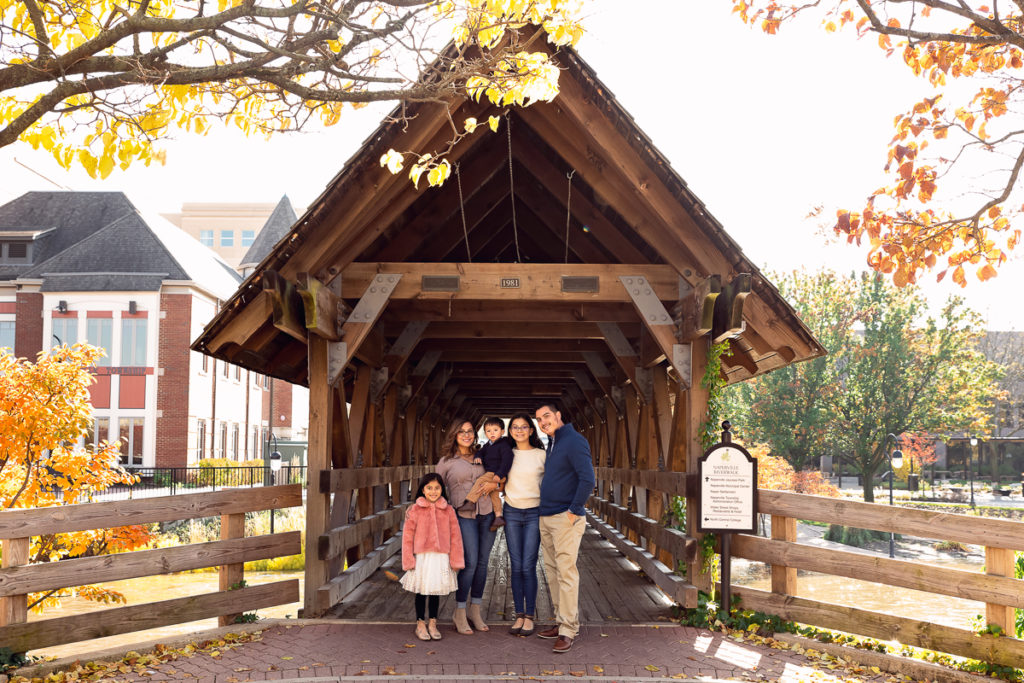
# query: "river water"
[904,602]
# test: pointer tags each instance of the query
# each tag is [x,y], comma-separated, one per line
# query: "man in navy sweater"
[567,483]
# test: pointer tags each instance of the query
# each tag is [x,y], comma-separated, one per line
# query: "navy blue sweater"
[497,457]
[568,473]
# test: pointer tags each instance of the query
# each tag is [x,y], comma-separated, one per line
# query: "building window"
[234,441]
[99,332]
[65,331]
[227,238]
[7,335]
[238,372]
[200,438]
[255,450]
[130,434]
[227,370]
[133,341]
[223,439]
[14,252]
[248,237]
[206,238]
[206,362]
[99,431]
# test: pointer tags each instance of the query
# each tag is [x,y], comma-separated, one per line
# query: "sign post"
[727,503]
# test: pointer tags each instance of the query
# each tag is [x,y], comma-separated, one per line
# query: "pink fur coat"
[431,527]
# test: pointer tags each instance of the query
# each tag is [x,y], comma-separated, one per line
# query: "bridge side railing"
[657,548]
[18,578]
[996,587]
[368,511]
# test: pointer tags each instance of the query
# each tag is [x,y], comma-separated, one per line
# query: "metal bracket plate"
[645,300]
[337,354]
[427,363]
[645,383]
[408,339]
[617,341]
[596,365]
[682,361]
[378,380]
[375,298]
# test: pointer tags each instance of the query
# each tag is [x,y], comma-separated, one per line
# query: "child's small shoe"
[468,506]
[421,631]
[497,523]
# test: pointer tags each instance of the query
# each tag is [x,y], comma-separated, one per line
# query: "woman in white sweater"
[522,519]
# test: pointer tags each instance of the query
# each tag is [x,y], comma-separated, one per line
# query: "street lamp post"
[970,465]
[895,458]
[275,467]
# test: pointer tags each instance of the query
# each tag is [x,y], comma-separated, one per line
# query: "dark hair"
[450,444]
[493,421]
[427,478]
[553,406]
[534,439]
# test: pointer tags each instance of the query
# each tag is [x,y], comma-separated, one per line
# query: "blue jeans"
[522,535]
[477,541]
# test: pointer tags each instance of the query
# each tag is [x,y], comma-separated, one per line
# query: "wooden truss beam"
[530,282]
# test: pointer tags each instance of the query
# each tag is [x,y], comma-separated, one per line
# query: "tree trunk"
[868,483]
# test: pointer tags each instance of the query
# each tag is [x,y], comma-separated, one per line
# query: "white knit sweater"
[522,490]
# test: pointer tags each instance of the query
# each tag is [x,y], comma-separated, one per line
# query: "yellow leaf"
[651,667]
[469,124]
[106,165]
[287,657]
[493,122]
[393,160]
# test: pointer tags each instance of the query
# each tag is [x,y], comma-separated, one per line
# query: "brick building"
[88,266]
[242,234]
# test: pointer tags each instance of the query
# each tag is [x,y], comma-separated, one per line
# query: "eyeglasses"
[466,432]
[518,428]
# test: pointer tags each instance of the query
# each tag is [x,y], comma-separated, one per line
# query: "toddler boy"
[496,457]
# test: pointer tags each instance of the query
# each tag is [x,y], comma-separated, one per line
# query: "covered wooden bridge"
[564,259]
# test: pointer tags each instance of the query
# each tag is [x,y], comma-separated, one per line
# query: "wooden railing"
[657,549]
[366,541]
[18,578]
[997,588]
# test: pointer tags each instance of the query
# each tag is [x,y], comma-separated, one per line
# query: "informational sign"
[728,490]
[510,283]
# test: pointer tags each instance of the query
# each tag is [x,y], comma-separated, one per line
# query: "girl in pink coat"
[431,552]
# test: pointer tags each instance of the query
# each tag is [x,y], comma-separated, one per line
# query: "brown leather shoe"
[562,644]
[549,633]
[497,523]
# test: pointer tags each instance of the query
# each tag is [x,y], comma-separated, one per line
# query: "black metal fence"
[163,481]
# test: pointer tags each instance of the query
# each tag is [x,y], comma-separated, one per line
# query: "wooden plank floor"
[612,590]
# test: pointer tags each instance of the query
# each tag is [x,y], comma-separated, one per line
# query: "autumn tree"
[44,411]
[99,82]
[950,202]
[891,368]
[788,408]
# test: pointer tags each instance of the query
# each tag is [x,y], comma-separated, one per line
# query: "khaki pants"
[560,541]
[487,478]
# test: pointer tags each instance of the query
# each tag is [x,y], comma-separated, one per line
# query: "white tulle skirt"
[432,575]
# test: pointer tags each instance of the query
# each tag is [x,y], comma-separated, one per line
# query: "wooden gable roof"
[580,187]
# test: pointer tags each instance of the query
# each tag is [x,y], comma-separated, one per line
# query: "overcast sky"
[763,129]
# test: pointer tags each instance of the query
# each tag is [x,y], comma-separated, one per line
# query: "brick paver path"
[383,652]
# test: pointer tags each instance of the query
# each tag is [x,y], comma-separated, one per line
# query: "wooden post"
[231,575]
[14,608]
[696,406]
[319,459]
[784,578]
[1000,562]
